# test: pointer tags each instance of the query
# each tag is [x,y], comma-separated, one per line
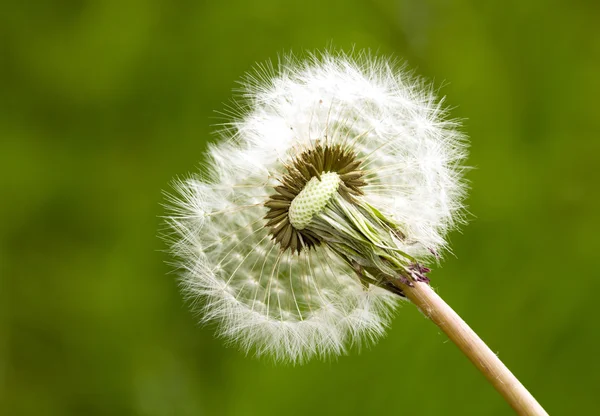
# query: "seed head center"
[312,199]
[310,181]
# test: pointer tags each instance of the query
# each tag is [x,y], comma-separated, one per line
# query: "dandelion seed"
[320,208]
[339,176]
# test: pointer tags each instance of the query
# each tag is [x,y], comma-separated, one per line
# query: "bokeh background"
[102,103]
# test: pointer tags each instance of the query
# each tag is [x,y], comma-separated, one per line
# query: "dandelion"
[328,197]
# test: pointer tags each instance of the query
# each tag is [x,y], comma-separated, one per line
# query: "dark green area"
[102,103]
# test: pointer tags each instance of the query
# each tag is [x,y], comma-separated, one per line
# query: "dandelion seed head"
[317,142]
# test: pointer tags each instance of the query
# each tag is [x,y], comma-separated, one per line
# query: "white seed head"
[312,199]
[300,296]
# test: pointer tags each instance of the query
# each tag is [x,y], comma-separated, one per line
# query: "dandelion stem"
[434,307]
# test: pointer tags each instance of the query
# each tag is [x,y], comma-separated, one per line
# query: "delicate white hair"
[293,306]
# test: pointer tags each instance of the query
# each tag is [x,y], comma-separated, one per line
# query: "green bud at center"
[313,199]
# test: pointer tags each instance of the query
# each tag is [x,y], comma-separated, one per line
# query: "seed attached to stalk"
[321,208]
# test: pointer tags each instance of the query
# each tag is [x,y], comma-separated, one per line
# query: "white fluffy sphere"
[295,305]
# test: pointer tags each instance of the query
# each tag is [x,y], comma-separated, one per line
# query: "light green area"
[103,103]
[312,199]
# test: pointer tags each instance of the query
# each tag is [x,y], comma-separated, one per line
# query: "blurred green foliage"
[102,103]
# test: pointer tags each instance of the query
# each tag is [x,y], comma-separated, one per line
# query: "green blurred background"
[102,103]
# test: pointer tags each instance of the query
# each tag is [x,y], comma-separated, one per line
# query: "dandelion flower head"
[336,175]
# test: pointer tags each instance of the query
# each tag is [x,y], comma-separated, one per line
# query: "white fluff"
[296,306]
